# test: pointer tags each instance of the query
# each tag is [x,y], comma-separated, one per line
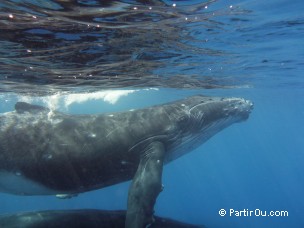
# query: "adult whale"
[80,218]
[46,152]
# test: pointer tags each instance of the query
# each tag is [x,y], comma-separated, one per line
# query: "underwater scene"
[151,113]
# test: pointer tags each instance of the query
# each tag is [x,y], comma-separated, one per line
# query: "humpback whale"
[80,218]
[44,152]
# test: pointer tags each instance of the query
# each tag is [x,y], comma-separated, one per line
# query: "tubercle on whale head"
[201,117]
[229,105]
[200,111]
[238,107]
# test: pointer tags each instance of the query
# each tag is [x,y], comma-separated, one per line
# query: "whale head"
[198,118]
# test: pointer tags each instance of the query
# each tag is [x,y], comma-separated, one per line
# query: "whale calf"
[45,152]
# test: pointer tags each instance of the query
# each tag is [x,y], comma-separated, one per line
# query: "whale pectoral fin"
[145,187]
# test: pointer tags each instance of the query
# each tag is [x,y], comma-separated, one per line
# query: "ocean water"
[249,49]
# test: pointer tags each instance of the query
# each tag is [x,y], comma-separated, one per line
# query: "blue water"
[257,164]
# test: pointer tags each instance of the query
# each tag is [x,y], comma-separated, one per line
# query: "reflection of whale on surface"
[45,152]
[92,45]
[79,218]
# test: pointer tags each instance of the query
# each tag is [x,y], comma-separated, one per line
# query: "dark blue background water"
[257,164]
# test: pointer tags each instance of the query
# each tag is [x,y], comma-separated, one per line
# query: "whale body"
[45,152]
[80,218]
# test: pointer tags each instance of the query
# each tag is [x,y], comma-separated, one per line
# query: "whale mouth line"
[191,141]
[195,106]
[146,140]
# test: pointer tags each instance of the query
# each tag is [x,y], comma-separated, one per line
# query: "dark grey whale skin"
[46,152]
[87,218]
[76,153]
